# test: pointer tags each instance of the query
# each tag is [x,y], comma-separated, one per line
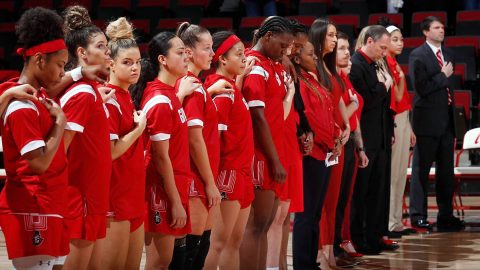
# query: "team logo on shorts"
[157,218]
[37,238]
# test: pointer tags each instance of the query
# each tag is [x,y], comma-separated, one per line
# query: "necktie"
[440,62]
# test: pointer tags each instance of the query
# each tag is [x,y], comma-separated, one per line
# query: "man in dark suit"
[369,201]
[431,66]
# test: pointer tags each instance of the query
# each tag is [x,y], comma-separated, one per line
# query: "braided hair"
[274,24]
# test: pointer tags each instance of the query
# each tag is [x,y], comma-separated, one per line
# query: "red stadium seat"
[317,8]
[112,9]
[464,98]
[409,45]
[169,24]
[247,25]
[142,25]
[346,23]
[217,24]
[102,24]
[395,18]
[7,10]
[37,3]
[152,10]
[85,3]
[6,75]
[192,9]
[305,20]
[466,50]
[418,17]
[468,22]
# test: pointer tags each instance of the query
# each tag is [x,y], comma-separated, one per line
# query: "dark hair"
[274,24]
[189,33]
[120,34]
[376,32]
[218,39]
[78,29]
[425,24]
[298,28]
[317,36]
[38,25]
[384,21]
[159,45]
[342,35]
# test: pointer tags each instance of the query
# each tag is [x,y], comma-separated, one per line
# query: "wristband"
[76,74]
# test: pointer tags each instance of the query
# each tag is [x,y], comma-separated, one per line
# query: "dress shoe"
[368,250]
[389,245]
[408,231]
[345,246]
[395,234]
[422,224]
[450,224]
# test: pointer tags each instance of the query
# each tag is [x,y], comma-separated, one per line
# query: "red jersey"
[404,104]
[319,110]
[127,186]
[89,156]
[264,87]
[235,124]
[291,141]
[346,98]
[166,120]
[201,111]
[25,126]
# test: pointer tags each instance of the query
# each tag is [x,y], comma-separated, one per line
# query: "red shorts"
[29,235]
[82,224]
[197,190]
[87,227]
[236,185]
[295,186]
[158,215]
[262,179]
[135,222]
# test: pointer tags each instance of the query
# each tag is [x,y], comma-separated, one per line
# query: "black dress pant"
[345,188]
[306,224]
[368,201]
[426,151]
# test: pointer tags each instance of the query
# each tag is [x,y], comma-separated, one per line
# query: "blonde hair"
[120,35]
[361,38]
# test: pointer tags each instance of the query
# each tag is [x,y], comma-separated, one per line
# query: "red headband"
[225,46]
[46,47]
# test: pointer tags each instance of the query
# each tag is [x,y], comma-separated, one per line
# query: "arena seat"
[348,24]
[468,22]
[192,9]
[394,18]
[169,24]
[317,8]
[112,9]
[217,24]
[247,26]
[418,17]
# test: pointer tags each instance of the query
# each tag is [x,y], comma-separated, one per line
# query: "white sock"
[37,262]
[273,268]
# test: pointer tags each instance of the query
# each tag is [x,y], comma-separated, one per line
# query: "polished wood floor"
[421,251]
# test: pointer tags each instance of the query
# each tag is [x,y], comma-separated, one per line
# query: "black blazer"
[376,121]
[431,114]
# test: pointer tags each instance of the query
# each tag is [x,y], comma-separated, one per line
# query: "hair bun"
[119,29]
[76,18]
